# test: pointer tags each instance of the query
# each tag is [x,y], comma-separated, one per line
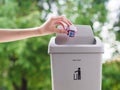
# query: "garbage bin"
[76,61]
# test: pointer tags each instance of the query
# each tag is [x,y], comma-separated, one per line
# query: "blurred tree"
[111,74]
[116,30]
[24,64]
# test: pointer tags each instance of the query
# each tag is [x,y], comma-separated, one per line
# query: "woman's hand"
[50,26]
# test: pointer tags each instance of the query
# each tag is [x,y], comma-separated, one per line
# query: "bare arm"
[7,35]
[49,27]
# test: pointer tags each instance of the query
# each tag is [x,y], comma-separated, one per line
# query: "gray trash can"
[76,61]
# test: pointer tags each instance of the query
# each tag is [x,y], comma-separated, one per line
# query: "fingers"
[61,18]
[65,20]
[60,23]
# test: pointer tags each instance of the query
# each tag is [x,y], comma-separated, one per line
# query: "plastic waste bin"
[76,61]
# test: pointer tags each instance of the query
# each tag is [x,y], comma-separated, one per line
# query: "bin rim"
[78,48]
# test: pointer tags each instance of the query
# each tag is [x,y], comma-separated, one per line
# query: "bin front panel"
[76,71]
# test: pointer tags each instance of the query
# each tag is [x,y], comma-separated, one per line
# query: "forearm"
[48,27]
[7,35]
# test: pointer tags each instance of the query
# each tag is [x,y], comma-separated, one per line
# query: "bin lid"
[84,35]
[83,42]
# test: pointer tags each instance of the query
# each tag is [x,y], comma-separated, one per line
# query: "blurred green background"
[25,64]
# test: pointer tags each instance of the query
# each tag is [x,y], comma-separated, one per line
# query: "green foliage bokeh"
[25,64]
[111,75]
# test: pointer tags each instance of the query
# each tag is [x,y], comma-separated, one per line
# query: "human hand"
[49,26]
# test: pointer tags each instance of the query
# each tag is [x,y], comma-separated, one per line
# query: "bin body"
[65,65]
[76,67]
